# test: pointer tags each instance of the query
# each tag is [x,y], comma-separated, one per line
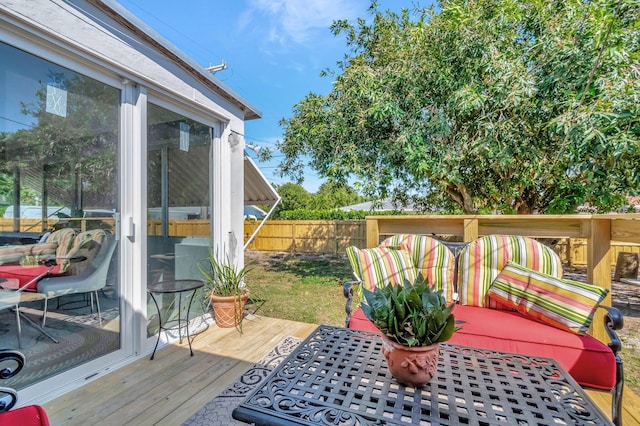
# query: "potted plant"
[225,287]
[414,319]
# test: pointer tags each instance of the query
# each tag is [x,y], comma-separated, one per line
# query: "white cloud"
[296,20]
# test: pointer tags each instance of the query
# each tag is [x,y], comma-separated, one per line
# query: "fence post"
[293,236]
[599,265]
[470,231]
[373,235]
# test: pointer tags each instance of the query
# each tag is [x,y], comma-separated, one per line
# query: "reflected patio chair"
[12,294]
[87,276]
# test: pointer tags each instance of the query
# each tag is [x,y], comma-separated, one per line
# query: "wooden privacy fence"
[573,251]
[331,236]
[306,236]
[38,225]
[321,236]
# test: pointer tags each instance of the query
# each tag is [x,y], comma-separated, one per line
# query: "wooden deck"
[169,389]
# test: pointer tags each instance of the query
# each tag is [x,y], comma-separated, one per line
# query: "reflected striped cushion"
[434,261]
[564,304]
[80,244]
[376,267]
[64,238]
[12,254]
[482,260]
[18,253]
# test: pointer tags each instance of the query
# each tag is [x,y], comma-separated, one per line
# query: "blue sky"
[274,51]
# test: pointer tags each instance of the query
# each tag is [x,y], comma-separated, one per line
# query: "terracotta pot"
[411,366]
[228,310]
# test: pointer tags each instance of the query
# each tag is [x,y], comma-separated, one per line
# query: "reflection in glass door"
[59,192]
[178,205]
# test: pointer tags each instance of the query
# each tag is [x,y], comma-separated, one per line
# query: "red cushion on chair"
[31,415]
[590,362]
[360,322]
[25,273]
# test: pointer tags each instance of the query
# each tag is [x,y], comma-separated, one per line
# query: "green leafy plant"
[410,314]
[221,276]
[223,279]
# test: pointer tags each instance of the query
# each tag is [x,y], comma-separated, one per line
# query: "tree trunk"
[461,197]
[526,203]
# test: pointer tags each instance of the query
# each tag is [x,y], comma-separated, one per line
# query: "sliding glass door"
[178,203]
[59,197]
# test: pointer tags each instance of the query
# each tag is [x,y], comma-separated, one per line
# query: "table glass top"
[175,286]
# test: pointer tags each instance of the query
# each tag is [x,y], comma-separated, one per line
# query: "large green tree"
[332,194]
[475,106]
[294,197]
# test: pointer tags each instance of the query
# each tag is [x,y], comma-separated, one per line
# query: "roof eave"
[133,23]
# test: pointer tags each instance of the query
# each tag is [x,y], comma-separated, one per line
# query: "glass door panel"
[59,191]
[178,205]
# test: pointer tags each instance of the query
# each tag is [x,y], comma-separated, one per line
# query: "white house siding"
[86,30]
[100,39]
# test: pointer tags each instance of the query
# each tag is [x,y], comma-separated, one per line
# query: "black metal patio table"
[339,376]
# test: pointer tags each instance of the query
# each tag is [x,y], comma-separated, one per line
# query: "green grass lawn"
[298,287]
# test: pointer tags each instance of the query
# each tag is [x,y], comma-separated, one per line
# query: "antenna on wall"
[215,68]
[254,148]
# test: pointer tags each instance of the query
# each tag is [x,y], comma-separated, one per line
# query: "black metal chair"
[11,363]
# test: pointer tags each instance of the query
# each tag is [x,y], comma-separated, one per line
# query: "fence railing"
[334,236]
[39,226]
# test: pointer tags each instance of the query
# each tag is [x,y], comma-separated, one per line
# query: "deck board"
[172,387]
[169,389]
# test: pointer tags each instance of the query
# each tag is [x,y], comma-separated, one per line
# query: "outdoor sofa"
[510,297]
[24,262]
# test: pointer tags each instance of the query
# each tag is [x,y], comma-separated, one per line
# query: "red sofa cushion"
[590,362]
[31,415]
[24,274]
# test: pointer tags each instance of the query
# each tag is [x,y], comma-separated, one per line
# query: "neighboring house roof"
[126,18]
[382,205]
[254,212]
[633,205]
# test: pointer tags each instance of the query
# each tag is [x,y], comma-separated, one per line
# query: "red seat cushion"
[31,415]
[590,362]
[24,274]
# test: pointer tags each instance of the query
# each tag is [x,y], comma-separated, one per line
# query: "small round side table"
[173,287]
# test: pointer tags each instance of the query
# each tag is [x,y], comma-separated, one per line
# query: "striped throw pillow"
[481,261]
[17,253]
[12,254]
[79,248]
[564,304]
[393,241]
[64,238]
[376,267]
[434,261]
